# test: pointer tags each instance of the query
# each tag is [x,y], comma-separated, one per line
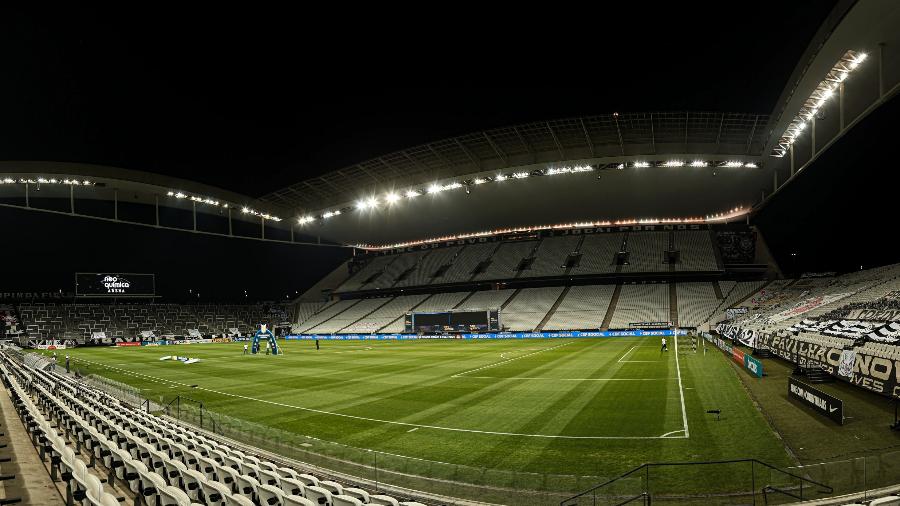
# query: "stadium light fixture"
[411,194]
[709,218]
[520,175]
[839,72]
[501,177]
[435,188]
[392,197]
[305,219]
[479,180]
[641,165]
[330,214]
[698,163]
[673,163]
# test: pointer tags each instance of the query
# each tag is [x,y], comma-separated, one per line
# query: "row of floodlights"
[41,180]
[392,198]
[710,218]
[848,63]
[225,205]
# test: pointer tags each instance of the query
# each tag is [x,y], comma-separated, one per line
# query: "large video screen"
[453,321]
[107,284]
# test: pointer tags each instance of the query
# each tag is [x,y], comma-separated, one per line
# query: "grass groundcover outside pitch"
[509,414]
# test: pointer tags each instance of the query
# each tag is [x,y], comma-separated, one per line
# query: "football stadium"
[688,305]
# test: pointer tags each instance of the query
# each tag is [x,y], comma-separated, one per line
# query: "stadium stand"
[106,452]
[583,308]
[428,266]
[486,300]
[435,302]
[695,251]
[551,255]
[349,316]
[641,303]
[324,314]
[696,302]
[646,252]
[304,310]
[593,254]
[384,315]
[465,262]
[505,261]
[528,308]
[598,254]
[124,321]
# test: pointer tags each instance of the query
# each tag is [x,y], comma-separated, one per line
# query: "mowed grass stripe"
[401,379]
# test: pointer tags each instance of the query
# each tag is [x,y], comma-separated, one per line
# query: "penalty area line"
[457,375]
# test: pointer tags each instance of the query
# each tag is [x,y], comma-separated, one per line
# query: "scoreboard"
[106,284]
[487,320]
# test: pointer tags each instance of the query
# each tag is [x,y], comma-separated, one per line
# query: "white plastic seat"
[238,500]
[319,495]
[308,480]
[269,478]
[296,500]
[173,472]
[411,503]
[192,483]
[287,472]
[291,486]
[346,500]
[383,500]
[215,493]
[246,486]
[269,495]
[150,485]
[171,496]
[332,486]
[358,493]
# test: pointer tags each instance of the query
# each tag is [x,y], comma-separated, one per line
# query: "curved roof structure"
[609,137]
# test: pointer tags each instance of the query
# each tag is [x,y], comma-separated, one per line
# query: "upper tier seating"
[696,251]
[551,255]
[646,252]
[641,304]
[593,254]
[384,315]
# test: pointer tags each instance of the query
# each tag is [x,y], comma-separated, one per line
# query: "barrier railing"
[740,481]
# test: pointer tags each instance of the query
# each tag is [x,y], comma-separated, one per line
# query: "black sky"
[253,100]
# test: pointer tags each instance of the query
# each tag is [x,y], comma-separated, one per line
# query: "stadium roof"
[612,136]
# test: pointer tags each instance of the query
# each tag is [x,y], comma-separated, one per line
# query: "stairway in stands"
[555,305]
[612,308]
[673,304]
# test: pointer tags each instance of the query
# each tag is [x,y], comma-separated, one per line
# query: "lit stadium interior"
[246,265]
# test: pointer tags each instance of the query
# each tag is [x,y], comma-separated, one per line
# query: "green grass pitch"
[586,407]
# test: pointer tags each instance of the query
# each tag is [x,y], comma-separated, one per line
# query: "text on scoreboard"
[107,284]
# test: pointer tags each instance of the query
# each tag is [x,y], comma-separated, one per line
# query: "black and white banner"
[857,366]
[881,315]
[823,403]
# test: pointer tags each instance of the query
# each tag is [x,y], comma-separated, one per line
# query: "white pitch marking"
[413,429]
[405,424]
[510,360]
[687,433]
[567,379]
[623,361]
[669,434]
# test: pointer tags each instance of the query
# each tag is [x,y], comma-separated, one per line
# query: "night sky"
[252,101]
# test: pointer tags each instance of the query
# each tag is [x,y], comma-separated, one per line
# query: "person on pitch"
[317,344]
[664,347]
[245,348]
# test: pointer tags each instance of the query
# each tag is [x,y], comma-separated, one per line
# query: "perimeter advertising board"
[819,401]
